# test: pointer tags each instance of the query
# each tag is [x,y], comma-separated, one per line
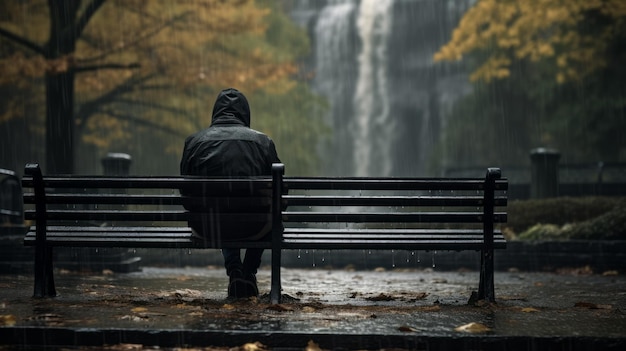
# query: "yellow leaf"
[253,346]
[312,346]
[139,309]
[529,310]
[473,327]
[7,320]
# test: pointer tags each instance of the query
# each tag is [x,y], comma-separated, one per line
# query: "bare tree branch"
[22,41]
[106,66]
[154,31]
[87,109]
[144,122]
[153,105]
[82,22]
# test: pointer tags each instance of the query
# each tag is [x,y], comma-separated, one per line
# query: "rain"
[345,88]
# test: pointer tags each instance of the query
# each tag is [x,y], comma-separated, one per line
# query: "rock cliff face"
[372,60]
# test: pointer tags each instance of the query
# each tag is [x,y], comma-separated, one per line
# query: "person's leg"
[251,263]
[252,260]
[240,284]
[232,260]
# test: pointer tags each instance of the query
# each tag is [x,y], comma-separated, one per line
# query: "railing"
[581,179]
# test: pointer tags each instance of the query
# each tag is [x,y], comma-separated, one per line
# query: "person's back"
[230,148]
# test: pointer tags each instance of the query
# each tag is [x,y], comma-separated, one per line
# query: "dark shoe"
[251,279]
[240,287]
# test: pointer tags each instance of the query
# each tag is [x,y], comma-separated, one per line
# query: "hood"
[231,106]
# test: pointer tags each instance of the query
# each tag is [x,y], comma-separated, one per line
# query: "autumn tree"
[115,70]
[545,72]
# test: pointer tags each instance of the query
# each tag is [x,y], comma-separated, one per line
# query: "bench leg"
[44,277]
[275,292]
[486,285]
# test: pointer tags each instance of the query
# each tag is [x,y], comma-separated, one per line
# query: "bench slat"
[321,200]
[168,237]
[346,183]
[133,182]
[139,216]
[129,199]
[396,217]
[420,244]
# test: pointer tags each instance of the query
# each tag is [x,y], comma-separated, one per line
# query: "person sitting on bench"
[229,147]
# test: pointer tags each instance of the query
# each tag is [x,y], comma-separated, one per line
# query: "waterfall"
[374,125]
[387,99]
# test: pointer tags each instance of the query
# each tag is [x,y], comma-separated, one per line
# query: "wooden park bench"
[325,213]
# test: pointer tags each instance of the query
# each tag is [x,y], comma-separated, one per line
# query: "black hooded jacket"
[229,147]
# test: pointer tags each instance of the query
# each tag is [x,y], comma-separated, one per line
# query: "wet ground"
[571,309]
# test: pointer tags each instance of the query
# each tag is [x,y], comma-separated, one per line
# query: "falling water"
[387,98]
[335,76]
[374,124]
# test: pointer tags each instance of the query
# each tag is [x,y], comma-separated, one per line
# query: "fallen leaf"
[434,308]
[592,306]
[419,296]
[473,327]
[253,346]
[308,309]
[610,273]
[7,320]
[134,318]
[312,346]
[125,347]
[280,308]
[228,306]
[187,293]
[407,329]
[529,310]
[107,272]
[380,297]
[139,309]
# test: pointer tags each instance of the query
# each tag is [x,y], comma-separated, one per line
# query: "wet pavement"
[570,309]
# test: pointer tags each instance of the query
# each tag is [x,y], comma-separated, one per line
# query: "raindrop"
[299,253]
[393,259]
[96,250]
[188,251]
[434,254]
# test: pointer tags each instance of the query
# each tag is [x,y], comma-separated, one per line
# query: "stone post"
[116,164]
[544,178]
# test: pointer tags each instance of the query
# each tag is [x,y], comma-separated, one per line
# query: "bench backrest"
[396,208]
[145,200]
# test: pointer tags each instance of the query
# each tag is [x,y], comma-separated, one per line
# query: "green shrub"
[567,218]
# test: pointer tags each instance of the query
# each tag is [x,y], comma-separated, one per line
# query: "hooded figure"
[229,147]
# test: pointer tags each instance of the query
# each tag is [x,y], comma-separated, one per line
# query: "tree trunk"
[60,88]
[60,123]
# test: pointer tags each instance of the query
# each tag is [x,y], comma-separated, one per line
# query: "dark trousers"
[250,264]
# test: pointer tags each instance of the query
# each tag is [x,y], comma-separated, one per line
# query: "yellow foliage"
[535,30]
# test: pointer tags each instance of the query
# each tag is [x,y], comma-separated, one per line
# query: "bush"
[586,218]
